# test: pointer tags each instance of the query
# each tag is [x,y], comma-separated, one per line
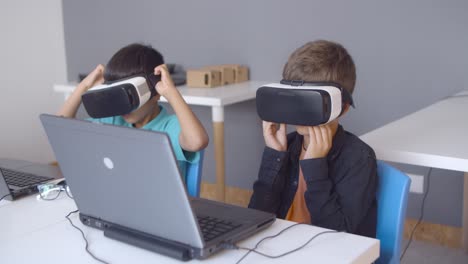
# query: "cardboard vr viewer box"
[227,73]
[203,78]
[241,73]
[212,76]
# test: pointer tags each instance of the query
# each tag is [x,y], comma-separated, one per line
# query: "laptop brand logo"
[108,163]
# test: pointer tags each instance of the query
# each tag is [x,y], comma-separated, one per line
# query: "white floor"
[427,253]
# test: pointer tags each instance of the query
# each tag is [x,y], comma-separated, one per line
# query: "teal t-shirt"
[163,122]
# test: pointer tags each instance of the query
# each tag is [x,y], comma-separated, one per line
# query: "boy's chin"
[129,118]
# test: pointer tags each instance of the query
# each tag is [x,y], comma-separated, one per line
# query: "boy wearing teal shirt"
[163,122]
[185,131]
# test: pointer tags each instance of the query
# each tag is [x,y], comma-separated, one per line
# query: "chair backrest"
[193,175]
[392,199]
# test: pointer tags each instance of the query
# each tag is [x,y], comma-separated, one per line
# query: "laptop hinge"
[148,242]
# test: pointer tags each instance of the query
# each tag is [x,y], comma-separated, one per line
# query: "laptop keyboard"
[212,227]
[22,179]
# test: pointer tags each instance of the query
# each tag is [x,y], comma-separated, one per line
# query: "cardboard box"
[241,73]
[227,73]
[203,78]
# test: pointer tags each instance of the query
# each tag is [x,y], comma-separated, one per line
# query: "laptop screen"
[125,176]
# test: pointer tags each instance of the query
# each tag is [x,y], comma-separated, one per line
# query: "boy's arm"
[267,190]
[344,204]
[70,107]
[193,136]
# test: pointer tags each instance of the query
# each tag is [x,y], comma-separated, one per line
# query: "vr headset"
[302,103]
[119,97]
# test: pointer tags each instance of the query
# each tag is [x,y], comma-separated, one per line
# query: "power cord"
[4,196]
[420,216]
[249,250]
[84,237]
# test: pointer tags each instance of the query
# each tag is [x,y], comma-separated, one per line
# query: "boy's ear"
[345,110]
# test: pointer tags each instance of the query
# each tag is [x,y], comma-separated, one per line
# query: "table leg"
[465,214]
[218,134]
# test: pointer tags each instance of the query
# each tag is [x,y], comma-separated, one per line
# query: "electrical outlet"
[417,183]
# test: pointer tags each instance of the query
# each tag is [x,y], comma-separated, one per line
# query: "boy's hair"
[321,61]
[132,60]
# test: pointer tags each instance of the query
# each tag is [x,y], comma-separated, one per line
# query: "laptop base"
[149,243]
[139,239]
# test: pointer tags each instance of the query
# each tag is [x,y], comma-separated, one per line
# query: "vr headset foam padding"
[301,103]
[118,98]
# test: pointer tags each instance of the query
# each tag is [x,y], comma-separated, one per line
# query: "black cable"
[84,237]
[3,197]
[249,250]
[263,239]
[420,216]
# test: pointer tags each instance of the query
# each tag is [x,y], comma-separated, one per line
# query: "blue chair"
[392,199]
[193,176]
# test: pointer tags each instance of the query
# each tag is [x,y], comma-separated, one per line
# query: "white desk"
[436,136]
[41,234]
[217,98]
[22,217]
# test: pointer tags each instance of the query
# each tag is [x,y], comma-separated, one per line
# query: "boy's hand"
[320,142]
[166,85]
[71,105]
[275,138]
[94,78]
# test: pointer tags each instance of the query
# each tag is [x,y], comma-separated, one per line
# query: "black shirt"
[341,188]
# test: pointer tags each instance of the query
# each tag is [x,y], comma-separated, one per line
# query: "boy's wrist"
[171,94]
[82,88]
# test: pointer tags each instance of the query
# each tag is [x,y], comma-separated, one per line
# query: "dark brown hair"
[132,60]
[321,61]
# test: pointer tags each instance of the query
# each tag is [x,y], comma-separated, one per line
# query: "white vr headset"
[302,103]
[120,97]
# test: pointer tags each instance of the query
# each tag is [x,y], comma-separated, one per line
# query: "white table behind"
[435,136]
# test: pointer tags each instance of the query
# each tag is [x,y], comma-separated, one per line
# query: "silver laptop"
[126,182]
[19,178]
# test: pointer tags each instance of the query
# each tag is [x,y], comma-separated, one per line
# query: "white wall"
[32,59]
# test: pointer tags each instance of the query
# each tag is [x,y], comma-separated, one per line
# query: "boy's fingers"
[329,135]
[268,127]
[100,67]
[324,134]
[318,135]
[157,71]
[98,72]
[282,128]
[161,68]
[311,136]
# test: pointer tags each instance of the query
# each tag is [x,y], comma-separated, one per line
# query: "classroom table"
[36,231]
[435,136]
